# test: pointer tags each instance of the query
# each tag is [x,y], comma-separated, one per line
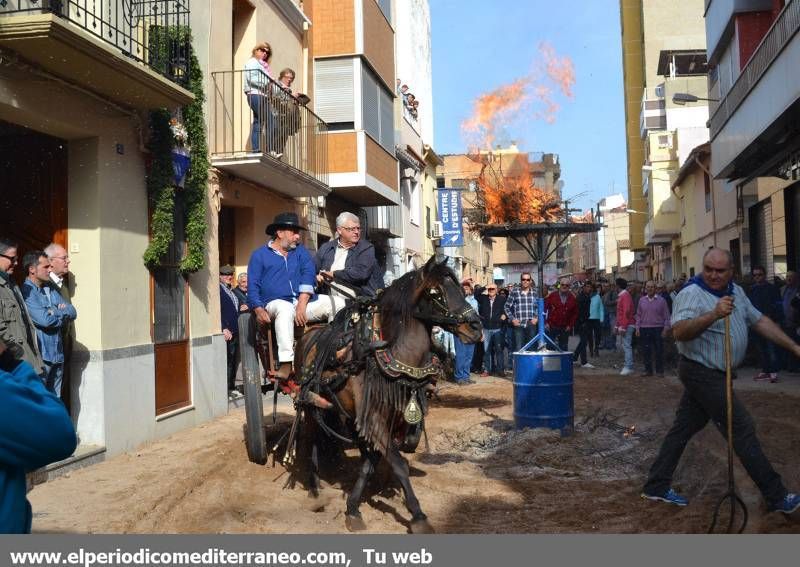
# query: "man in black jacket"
[491,309]
[349,259]
[766,297]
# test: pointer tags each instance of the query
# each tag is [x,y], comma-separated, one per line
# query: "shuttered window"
[377,109]
[370,105]
[333,90]
[761,251]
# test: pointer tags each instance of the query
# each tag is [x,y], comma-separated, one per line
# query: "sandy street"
[477,475]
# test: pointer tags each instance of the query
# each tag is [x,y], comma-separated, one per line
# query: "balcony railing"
[152,32]
[269,120]
[786,25]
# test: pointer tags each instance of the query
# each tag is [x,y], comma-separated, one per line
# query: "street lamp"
[683,98]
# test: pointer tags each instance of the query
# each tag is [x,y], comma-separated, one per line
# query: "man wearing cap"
[281,276]
[229,311]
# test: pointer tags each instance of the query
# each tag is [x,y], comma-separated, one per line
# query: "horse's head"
[440,300]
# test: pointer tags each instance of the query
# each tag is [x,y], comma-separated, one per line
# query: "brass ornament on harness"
[413,413]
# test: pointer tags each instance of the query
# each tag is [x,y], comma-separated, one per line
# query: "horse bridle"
[439,313]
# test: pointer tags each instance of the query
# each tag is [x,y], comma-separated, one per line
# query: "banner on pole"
[449,201]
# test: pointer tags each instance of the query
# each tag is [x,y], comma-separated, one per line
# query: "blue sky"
[479,46]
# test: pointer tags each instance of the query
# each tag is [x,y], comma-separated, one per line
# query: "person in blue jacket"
[50,313]
[281,276]
[35,430]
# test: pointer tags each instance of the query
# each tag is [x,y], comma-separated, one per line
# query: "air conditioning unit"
[438,230]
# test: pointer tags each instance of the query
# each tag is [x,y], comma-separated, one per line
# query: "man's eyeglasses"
[12,259]
[351,228]
[65,258]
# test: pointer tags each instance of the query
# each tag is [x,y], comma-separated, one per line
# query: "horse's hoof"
[317,502]
[354,523]
[422,526]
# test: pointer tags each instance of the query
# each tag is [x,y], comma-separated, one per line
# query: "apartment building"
[663,45]
[403,231]
[148,357]
[507,258]
[615,257]
[753,50]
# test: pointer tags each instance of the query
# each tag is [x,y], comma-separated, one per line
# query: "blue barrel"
[543,394]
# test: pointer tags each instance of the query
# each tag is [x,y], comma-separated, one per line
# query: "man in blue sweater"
[281,276]
[35,430]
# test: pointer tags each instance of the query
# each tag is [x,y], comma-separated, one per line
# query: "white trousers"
[282,313]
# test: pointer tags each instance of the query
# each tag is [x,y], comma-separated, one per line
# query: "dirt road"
[478,475]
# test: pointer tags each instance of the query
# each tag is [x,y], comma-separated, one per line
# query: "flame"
[513,198]
[529,96]
[494,109]
[559,69]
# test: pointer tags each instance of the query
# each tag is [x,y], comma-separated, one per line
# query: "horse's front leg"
[353,519]
[419,521]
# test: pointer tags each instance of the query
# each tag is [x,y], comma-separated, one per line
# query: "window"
[664,141]
[377,110]
[414,205]
[386,8]
[707,190]
[428,221]
[333,91]
[440,182]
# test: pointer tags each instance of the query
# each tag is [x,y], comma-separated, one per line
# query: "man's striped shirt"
[708,348]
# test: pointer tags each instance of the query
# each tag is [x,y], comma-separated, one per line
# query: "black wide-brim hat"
[282,221]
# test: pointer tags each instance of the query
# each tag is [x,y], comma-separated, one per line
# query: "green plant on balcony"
[161,182]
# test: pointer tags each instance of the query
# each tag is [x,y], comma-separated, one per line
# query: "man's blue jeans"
[464,354]
[492,351]
[627,346]
[52,376]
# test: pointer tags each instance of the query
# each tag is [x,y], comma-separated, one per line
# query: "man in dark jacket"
[349,259]
[229,311]
[766,297]
[491,309]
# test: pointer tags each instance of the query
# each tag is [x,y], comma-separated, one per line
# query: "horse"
[375,367]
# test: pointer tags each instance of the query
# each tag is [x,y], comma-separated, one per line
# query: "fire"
[531,96]
[559,69]
[512,198]
[495,108]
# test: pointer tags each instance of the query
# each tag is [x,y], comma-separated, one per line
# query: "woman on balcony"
[286,109]
[257,76]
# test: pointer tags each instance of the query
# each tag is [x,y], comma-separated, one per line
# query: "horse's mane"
[397,302]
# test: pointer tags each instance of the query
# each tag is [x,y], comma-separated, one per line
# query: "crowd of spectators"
[628,317]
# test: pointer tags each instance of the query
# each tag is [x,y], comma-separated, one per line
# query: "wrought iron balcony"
[152,32]
[267,135]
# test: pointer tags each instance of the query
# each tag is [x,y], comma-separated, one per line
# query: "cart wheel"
[255,436]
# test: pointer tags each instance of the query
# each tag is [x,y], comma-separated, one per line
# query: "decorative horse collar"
[394,368]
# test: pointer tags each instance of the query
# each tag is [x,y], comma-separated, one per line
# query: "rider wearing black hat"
[281,276]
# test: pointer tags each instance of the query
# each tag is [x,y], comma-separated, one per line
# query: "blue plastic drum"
[543,395]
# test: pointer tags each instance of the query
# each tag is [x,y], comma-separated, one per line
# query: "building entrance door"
[33,188]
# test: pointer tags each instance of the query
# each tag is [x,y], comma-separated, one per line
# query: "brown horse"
[375,366]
